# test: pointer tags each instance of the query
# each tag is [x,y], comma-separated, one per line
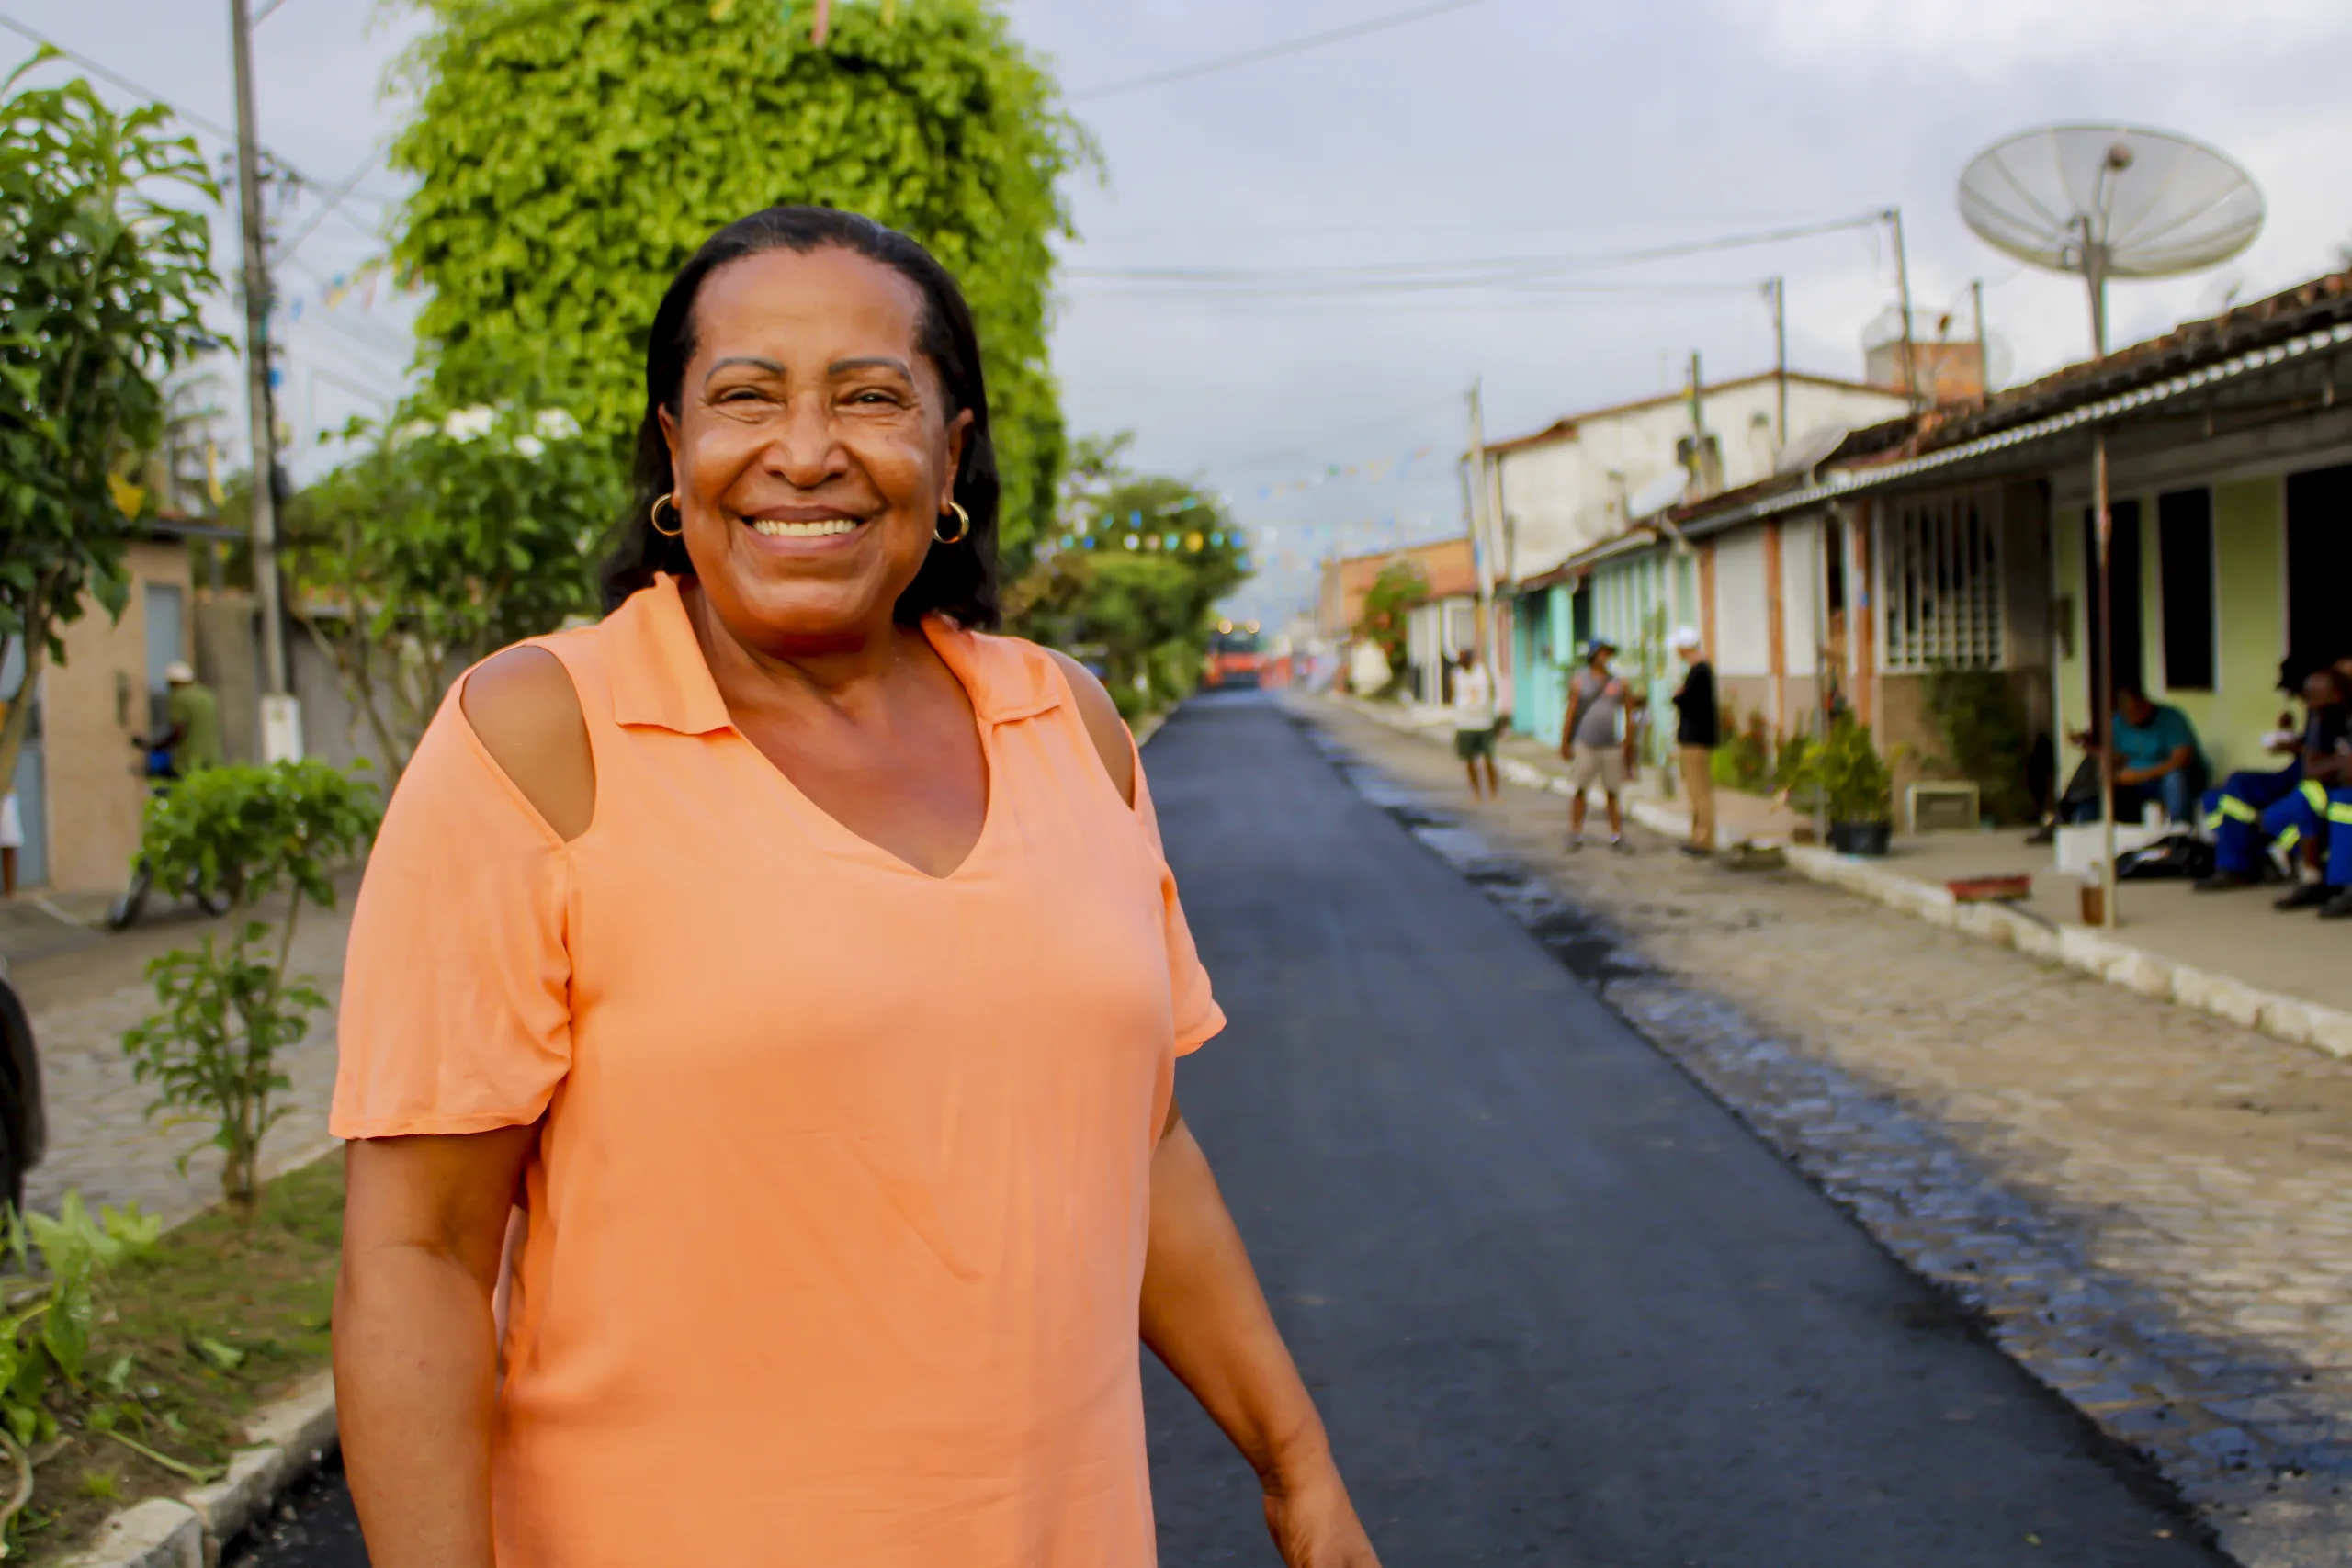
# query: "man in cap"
[1697,730]
[1597,737]
[195,716]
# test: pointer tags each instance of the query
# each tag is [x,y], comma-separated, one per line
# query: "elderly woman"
[804,965]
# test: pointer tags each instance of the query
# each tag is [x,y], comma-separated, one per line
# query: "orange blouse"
[838,1216]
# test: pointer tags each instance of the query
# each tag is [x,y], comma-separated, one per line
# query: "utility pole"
[1984,353]
[1903,286]
[1781,354]
[281,728]
[1482,532]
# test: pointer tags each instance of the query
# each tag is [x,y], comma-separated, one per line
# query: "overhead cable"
[1294,46]
[1512,265]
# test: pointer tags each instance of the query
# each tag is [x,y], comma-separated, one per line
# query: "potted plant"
[1856,783]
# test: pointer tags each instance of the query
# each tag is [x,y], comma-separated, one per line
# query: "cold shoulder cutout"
[1104,726]
[523,708]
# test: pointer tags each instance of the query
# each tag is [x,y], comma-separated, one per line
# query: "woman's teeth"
[805,530]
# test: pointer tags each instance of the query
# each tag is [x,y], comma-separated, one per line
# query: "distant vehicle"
[24,1122]
[1237,657]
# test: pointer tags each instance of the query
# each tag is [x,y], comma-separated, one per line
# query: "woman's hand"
[1315,1526]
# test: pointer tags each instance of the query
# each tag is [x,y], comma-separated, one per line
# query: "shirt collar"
[659,676]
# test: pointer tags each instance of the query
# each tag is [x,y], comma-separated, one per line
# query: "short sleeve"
[1198,1017]
[456,1014]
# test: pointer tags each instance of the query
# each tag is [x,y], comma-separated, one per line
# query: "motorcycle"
[124,912]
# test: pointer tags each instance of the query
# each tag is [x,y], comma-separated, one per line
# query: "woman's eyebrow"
[844,366]
[770,366]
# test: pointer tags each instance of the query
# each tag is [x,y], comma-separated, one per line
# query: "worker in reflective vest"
[2285,810]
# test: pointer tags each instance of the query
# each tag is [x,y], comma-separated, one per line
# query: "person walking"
[1697,730]
[1596,739]
[194,740]
[805,964]
[1475,721]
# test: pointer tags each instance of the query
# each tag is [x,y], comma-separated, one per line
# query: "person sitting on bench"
[2279,811]
[2156,759]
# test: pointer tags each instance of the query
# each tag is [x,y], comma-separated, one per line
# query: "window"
[1942,571]
[2185,577]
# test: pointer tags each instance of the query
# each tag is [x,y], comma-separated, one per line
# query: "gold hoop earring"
[962,526]
[653,515]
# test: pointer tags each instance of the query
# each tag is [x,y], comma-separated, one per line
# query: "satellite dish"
[2109,201]
[1657,495]
[1811,449]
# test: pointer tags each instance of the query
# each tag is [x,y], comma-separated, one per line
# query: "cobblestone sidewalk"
[2150,1207]
[101,1142]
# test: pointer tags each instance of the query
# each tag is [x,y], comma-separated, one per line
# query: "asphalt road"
[1559,1307]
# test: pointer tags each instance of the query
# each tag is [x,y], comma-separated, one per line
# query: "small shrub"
[1982,727]
[211,1051]
[45,1338]
[1855,782]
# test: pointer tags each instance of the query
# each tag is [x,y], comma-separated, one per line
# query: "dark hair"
[959,579]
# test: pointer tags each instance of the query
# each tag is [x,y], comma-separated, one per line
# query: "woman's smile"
[800,528]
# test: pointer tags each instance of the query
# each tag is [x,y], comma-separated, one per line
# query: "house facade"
[1964,537]
[1566,496]
[1436,631]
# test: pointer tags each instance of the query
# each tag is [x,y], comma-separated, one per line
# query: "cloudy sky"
[1501,129]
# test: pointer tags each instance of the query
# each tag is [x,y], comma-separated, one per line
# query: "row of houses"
[1835,547]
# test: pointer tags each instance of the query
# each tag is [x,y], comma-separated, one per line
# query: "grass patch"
[221,1319]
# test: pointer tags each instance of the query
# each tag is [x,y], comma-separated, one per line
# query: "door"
[166,640]
[2319,563]
[33,803]
[2129,658]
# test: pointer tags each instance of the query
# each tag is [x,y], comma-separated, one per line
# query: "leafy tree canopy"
[572,153]
[456,534]
[1133,586]
[101,283]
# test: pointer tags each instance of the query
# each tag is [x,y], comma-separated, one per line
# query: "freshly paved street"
[1560,1305]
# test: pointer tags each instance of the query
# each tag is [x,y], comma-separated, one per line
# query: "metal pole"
[1983,354]
[257,302]
[2103,720]
[1780,353]
[1903,286]
[1482,533]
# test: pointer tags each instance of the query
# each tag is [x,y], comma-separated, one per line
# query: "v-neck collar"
[659,676]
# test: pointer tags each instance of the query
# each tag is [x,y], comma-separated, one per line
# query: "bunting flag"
[1376,470]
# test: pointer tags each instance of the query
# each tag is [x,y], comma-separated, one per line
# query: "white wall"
[1563,498]
[1800,569]
[1743,636]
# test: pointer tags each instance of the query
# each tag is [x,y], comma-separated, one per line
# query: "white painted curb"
[2290,1019]
[292,1437]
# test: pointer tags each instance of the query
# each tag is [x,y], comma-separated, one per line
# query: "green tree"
[449,539]
[1133,583]
[226,1011]
[101,283]
[1401,588]
[571,154]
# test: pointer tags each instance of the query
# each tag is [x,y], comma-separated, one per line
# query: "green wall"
[2249,544]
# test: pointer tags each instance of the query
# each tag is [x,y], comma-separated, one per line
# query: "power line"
[210,126]
[1251,57]
[332,201]
[1496,268]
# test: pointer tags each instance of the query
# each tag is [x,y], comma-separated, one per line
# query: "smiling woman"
[803,964]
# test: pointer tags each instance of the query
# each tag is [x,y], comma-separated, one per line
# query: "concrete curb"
[2291,1018]
[291,1439]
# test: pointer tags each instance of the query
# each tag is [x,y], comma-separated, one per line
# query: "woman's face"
[812,448]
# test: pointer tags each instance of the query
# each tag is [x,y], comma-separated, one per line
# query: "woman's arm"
[415,1355]
[1205,1317]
